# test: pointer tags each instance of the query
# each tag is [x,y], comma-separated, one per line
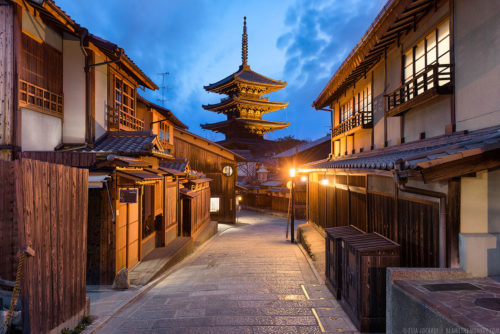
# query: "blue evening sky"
[198,42]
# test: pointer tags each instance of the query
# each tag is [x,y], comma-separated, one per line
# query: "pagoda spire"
[244,44]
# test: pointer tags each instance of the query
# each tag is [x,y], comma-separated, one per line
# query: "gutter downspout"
[401,181]
[331,111]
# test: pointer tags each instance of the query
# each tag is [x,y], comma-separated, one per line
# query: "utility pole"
[163,88]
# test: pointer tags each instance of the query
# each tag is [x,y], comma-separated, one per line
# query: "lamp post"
[292,199]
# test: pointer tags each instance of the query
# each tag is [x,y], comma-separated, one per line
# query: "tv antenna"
[163,88]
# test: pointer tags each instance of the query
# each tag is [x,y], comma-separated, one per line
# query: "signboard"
[128,195]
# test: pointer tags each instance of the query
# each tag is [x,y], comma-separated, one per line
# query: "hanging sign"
[128,195]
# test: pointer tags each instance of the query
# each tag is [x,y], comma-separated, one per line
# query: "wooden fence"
[48,212]
[74,159]
[277,201]
[411,222]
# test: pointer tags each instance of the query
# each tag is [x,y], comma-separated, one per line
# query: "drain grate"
[450,287]
[489,303]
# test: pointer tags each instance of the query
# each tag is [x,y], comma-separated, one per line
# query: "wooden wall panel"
[52,219]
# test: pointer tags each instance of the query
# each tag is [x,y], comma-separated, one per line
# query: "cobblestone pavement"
[247,279]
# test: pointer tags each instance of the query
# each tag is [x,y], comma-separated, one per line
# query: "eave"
[392,23]
[224,104]
[263,125]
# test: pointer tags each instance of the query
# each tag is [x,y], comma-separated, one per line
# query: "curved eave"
[219,107]
[222,85]
[246,123]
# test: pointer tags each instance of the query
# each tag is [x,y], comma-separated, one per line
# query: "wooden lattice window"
[41,77]
[122,115]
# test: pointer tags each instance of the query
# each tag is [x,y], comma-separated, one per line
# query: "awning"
[188,193]
[96,180]
[139,175]
[172,172]
[201,180]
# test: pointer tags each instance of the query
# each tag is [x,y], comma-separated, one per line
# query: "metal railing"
[361,118]
[433,76]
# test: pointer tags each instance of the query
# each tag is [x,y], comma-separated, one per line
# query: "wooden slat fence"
[50,211]
[346,201]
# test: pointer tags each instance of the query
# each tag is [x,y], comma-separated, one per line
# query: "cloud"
[318,37]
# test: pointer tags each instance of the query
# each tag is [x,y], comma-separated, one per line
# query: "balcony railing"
[120,120]
[433,81]
[363,119]
[40,99]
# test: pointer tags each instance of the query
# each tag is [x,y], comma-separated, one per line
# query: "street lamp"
[292,198]
[303,178]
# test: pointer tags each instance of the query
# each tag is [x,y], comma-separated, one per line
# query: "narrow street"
[247,279]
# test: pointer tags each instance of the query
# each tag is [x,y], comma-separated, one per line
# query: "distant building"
[244,107]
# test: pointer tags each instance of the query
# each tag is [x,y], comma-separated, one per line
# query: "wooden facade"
[44,206]
[349,200]
[210,158]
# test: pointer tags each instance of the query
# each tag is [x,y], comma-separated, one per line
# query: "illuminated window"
[214,204]
[427,52]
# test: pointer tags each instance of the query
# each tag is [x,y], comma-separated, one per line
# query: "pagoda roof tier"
[229,104]
[247,81]
[252,126]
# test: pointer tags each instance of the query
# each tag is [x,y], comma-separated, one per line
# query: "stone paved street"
[247,279]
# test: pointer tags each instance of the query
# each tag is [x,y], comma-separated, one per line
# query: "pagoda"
[244,106]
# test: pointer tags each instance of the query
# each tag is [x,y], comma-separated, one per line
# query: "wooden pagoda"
[244,128]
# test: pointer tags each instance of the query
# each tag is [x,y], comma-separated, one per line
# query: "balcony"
[40,99]
[360,120]
[435,80]
[120,120]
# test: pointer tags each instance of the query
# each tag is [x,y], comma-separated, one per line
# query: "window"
[346,111]
[41,77]
[363,100]
[122,114]
[428,52]
[214,204]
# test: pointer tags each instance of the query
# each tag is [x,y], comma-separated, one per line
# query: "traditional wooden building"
[244,107]
[217,163]
[416,135]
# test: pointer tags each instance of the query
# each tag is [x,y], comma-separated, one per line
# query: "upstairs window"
[431,50]
[363,100]
[346,111]
[41,77]
[122,111]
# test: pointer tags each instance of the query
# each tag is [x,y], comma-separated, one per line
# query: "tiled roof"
[303,147]
[180,165]
[274,183]
[419,154]
[246,74]
[128,142]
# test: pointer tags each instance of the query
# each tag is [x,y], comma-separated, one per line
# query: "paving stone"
[247,279]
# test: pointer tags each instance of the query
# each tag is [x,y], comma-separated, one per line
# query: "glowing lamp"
[239,198]
[324,182]
[303,178]
[292,172]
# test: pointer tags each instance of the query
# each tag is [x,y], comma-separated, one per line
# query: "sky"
[198,42]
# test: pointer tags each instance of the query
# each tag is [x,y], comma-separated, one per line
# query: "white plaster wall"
[101,98]
[474,204]
[494,201]
[36,28]
[362,139]
[393,69]
[477,63]
[74,91]
[39,132]
[430,118]
[393,130]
